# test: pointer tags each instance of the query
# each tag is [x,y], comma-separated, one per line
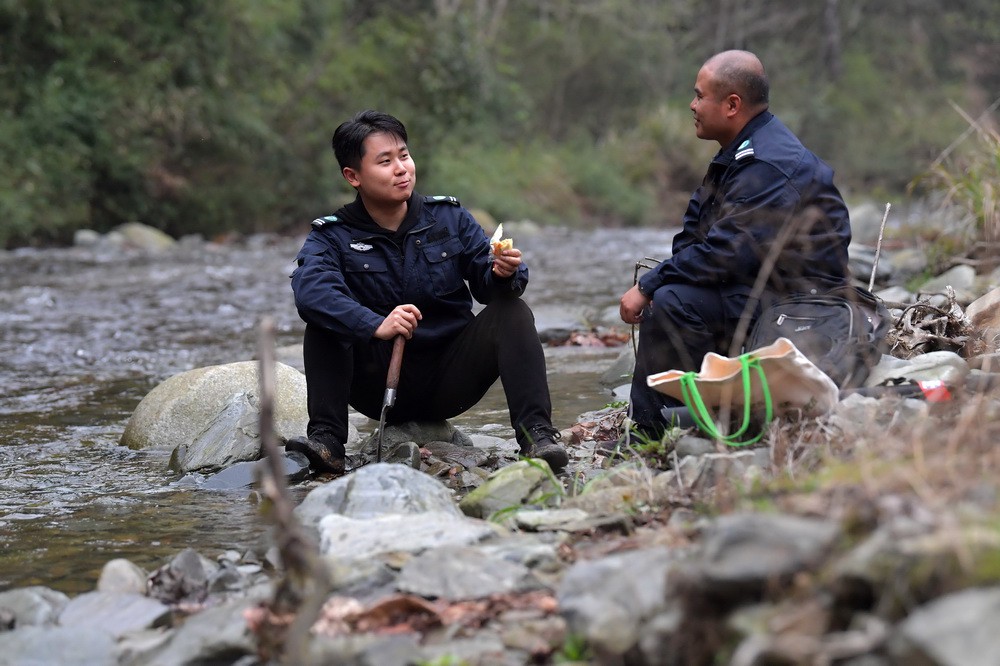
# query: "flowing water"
[85,334]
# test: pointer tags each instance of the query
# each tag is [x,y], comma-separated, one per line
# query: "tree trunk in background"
[832,48]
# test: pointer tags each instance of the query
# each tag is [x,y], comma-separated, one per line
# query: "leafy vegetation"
[213,117]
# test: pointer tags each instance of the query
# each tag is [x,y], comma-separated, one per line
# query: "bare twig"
[306,584]
[878,246]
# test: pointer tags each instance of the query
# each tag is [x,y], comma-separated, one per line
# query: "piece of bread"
[499,246]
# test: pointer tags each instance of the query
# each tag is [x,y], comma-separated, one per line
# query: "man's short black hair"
[734,77]
[349,138]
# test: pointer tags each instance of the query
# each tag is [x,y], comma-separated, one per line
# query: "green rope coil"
[699,412]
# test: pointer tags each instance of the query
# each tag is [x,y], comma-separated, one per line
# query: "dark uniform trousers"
[683,323]
[435,383]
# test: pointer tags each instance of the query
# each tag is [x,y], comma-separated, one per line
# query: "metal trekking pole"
[391,384]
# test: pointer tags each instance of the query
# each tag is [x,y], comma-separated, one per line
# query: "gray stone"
[907,262]
[216,635]
[621,370]
[122,576]
[548,519]
[960,629]
[244,475]
[897,294]
[523,482]
[86,238]
[689,445]
[231,436]
[65,646]
[181,407]
[33,605]
[365,650]
[866,222]
[466,456]
[376,490]
[184,578]
[961,278]
[360,538]
[743,552]
[607,601]
[114,613]
[420,432]
[463,573]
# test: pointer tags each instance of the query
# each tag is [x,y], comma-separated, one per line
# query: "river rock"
[524,482]
[184,578]
[897,294]
[114,613]
[122,576]
[179,409]
[144,237]
[741,553]
[866,223]
[66,646]
[960,629]
[961,278]
[463,573]
[33,606]
[359,539]
[608,601]
[376,490]
[621,368]
[216,635]
[908,262]
[420,432]
[244,475]
[232,436]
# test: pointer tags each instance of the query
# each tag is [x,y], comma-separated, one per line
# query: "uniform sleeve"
[478,268]
[323,298]
[757,204]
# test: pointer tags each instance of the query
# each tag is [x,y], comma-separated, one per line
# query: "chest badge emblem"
[361,247]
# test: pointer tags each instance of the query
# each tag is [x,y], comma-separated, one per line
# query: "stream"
[86,333]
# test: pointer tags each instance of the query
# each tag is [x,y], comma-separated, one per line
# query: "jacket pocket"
[445,267]
[367,276]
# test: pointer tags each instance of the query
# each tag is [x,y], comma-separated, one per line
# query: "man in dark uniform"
[395,263]
[767,221]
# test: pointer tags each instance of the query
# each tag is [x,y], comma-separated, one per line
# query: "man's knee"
[508,314]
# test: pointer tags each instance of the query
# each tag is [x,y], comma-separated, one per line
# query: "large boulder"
[180,409]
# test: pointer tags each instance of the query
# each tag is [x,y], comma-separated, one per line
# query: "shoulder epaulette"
[745,150]
[442,199]
[319,222]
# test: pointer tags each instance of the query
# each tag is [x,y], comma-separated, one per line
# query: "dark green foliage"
[210,117]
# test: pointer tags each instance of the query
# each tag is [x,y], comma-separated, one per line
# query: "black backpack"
[842,331]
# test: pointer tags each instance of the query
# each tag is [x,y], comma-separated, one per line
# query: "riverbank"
[837,538]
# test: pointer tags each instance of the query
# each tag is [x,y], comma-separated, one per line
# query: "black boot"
[323,458]
[540,442]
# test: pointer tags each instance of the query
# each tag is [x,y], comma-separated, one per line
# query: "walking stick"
[391,384]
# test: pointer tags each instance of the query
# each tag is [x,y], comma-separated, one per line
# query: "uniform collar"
[356,215]
[736,146]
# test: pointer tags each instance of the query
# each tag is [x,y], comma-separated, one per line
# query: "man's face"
[387,173]
[710,118]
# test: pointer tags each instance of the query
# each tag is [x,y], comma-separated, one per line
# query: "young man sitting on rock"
[395,263]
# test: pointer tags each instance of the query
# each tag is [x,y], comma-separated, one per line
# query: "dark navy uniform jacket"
[763,186]
[351,273]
